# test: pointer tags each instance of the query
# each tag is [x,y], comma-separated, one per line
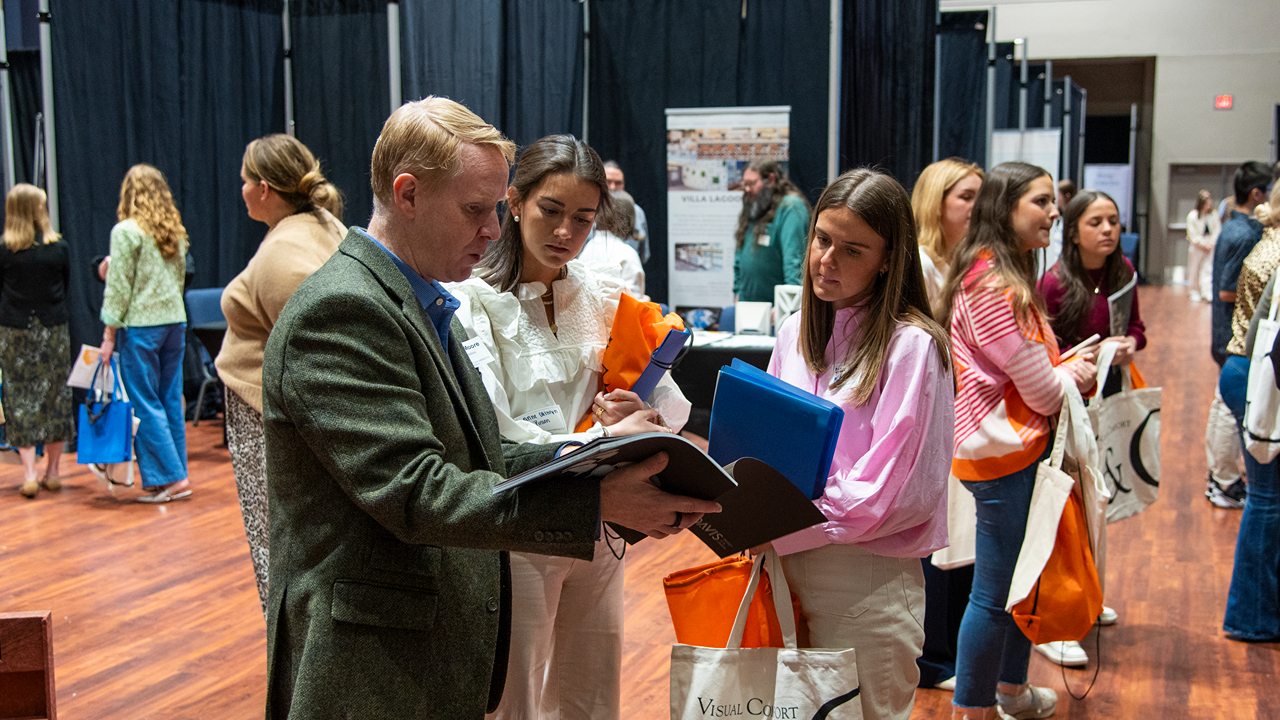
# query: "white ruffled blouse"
[543,384]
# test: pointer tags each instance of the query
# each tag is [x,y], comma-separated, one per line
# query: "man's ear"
[773,178]
[404,191]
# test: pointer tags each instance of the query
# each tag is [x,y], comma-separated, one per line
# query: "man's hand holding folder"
[629,498]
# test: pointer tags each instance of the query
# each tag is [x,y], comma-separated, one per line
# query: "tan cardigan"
[296,247]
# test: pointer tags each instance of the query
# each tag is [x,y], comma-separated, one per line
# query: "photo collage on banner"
[707,150]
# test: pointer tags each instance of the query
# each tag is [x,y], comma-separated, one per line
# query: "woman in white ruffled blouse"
[537,323]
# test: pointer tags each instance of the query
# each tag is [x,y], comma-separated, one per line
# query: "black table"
[696,374]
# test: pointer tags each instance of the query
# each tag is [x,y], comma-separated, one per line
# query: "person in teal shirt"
[771,233]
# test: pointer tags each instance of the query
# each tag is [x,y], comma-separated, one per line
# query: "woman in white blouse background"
[537,324]
[1202,233]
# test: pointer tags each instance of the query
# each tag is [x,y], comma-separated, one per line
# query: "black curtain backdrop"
[25,96]
[341,90]
[542,70]
[454,49]
[649,55]
[887,73]
[181,85]
[1008,83]
[963,131]
[1035,95]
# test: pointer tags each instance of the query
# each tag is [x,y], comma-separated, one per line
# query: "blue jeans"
[991,649]
[1253,602]
[151,367]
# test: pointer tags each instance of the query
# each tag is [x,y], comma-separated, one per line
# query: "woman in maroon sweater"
[1075,292]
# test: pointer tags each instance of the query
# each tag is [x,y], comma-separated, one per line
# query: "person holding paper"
[537,323]
[35,266]
[1076,291]
[143,303]
[284,188]
[942,202]
[865,339]
[1009,382]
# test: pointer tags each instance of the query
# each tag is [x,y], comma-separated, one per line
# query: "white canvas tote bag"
[1127,426]
[1262,401]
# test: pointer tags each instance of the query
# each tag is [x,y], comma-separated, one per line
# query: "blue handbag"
[105,425]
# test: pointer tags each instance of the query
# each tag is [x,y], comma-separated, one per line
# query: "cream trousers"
[873,604]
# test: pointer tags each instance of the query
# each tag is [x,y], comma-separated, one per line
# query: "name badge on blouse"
[548,418]
[763,241]
[478,353]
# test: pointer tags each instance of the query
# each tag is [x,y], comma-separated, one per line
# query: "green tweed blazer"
[389,596]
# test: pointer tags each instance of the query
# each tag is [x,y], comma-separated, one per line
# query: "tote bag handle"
[107,396]
[781,602]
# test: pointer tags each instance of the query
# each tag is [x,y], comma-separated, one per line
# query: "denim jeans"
[1253,602]
[991,649]
[151,367]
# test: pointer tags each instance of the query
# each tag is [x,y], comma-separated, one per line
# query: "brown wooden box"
[26,667]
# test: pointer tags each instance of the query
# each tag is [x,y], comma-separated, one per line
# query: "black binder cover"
[759,504]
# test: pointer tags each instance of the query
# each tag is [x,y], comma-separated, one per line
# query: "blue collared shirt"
[435,300]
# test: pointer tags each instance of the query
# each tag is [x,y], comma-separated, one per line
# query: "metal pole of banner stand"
[833,98]
[1048,92]
[937,84]
[991,83]
[1133,170]
[50,146]
[1084,116]
[1022,91]
[6,118]
[586,68]
[393,51]
[289,124]
[1064,164]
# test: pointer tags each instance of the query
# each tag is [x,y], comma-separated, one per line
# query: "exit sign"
[1222,102]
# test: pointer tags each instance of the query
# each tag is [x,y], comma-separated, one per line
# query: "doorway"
[1185,182]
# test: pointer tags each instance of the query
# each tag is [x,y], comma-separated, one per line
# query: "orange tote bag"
[1067,598]
[704,601]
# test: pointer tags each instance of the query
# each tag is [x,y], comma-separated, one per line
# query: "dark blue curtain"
[27,102]
[182,85]
[542,65]
[341,90]
[887,73]
[962,130]
[649,55]
[454,49]
[1008,83]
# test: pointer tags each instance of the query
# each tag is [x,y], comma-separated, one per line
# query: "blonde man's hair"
[145,198]
[425,138]
[926,203]
[25,212]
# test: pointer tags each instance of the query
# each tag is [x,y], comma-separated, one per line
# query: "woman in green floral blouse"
[143,305]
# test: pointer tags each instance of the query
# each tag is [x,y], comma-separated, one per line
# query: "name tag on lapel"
[763,241]
[478,353]
[548,418]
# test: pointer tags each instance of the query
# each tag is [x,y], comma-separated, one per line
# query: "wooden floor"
[156,615]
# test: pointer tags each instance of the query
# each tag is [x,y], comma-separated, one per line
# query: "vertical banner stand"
[6,115]
[290,126]
[50,143]
[393,51]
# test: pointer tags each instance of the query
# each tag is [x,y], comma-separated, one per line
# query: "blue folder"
[757,415]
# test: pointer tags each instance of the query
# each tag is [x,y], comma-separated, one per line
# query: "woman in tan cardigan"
[283,187]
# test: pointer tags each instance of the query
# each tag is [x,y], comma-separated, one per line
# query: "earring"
[515,217]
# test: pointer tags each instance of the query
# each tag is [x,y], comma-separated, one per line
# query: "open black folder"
[759,503]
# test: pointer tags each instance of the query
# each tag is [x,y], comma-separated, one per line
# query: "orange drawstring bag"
[704,601]
[638,329]
[1067,598]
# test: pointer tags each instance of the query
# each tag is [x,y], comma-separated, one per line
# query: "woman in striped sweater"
[1009,382]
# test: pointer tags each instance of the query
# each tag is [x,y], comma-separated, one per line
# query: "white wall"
[1202,49]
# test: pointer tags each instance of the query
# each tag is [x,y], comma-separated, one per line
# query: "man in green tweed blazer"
[389,593]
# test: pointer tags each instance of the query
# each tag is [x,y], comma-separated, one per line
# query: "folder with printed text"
[756,415]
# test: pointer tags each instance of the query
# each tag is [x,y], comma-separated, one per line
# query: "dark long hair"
[782,187]
[897,297]
[503,262]
[1070,270]
[991,229]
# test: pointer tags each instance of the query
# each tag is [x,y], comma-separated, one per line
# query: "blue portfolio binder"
[757,415]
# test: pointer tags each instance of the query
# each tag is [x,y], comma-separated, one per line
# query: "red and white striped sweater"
[1006,381]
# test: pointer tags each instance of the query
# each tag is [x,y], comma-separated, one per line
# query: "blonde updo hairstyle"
[145,198]
[926,203]
[289,169]
[25,213]
[1268,213]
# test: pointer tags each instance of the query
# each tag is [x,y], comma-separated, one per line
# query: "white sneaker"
[1035,702]
[1066,653]
[1108,616]
[949,684]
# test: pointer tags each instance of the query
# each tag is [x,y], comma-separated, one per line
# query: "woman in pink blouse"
[865,339]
